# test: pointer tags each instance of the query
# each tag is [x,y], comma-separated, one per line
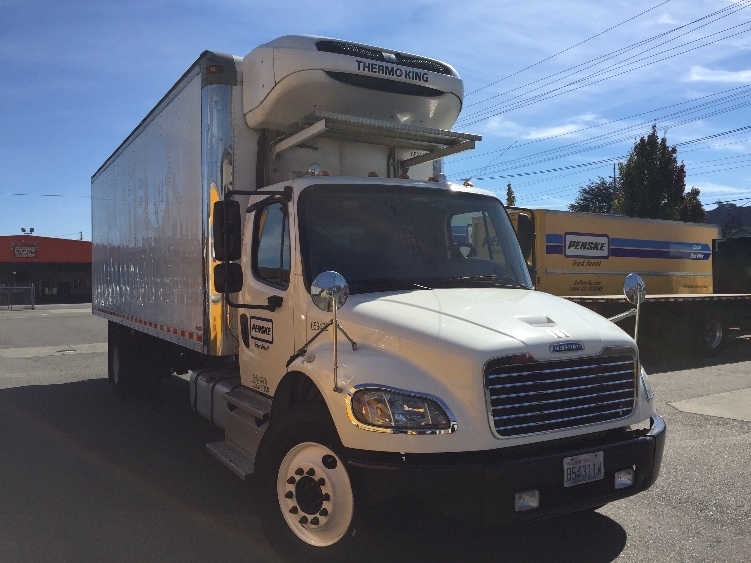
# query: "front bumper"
[479,487]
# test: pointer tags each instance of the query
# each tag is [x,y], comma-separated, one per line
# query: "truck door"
[267,337]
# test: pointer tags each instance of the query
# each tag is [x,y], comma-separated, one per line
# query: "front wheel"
[710,337]
[306,497]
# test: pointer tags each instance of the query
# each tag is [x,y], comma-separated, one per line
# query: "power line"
[568,48]
[481,116]
[583,143]
[610,160]
[744,91]
[611,142]
[588,164]
[732,9]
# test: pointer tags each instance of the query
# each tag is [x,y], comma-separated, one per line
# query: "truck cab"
[449,368]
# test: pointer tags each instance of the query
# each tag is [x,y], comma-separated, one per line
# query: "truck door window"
[271,255]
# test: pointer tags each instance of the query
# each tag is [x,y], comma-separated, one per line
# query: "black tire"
[155,364]
[120,368]
[304,492]
[710,337]
[137,364]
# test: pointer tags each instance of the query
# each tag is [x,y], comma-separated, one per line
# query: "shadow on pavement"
[586,536]
[666,358]
[98,479]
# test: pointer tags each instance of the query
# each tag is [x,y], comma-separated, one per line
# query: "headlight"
[647,386]
[399,411]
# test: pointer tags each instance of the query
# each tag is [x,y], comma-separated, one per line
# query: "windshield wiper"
[496,281]
[385,284]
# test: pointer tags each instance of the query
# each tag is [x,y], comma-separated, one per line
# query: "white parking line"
[63,349]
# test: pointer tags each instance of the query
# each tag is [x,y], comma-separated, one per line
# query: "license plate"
[583,468]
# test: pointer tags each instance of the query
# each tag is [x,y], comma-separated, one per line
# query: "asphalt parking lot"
[87,477]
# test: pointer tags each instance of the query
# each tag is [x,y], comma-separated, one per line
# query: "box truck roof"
[293,76]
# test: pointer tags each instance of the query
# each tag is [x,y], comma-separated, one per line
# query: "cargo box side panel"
[590,254]
[147,224]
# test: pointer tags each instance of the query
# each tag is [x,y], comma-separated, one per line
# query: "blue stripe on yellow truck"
[639,248]
[578,254]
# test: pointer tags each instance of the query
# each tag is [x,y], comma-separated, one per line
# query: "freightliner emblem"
[567,347]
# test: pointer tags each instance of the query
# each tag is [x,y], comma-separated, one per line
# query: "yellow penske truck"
[279,228]
[584,256]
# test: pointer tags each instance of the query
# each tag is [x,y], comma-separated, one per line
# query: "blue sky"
[558,90]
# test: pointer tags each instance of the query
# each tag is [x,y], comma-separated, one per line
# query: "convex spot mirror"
[634,286]
[228,278]
[328,288]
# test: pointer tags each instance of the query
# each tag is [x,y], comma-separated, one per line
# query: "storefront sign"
[25,250]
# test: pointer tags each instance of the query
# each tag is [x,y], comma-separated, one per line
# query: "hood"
[487,321]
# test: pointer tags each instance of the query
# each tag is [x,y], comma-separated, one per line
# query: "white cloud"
[709,188]
[701,74]
[666,19]
[575,124]
[551,131]
[499,126]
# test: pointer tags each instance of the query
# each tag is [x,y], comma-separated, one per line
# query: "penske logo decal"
[262,329]
[586,245]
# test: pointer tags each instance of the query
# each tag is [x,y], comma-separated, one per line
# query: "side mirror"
[634,289]
[525,232]
[329,292]
[329,288]
[228,278]
[227,228]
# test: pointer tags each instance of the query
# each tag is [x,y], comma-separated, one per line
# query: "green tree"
[510,197]
[691,210]
[651,180]
[595,197]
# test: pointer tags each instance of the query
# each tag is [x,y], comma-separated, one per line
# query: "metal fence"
[21,296]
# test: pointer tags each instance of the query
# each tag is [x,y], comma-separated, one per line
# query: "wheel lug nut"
[293,510]
[289,494]
[321,482]
[326,497]
[291,481]
[323,512]
[310,472]
[314,521]
[303,520]
[299,471]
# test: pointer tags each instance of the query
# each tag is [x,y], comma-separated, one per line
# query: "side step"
[238,461]
[250,402]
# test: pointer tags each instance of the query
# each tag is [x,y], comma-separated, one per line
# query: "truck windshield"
[388,238]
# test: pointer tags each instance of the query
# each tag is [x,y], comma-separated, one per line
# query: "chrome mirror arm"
[635,291]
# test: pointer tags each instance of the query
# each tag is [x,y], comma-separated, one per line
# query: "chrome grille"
[529,397]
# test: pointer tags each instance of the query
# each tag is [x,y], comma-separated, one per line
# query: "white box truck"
[278,226]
